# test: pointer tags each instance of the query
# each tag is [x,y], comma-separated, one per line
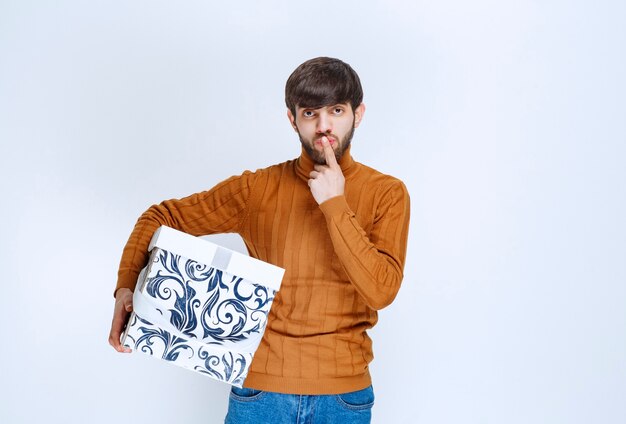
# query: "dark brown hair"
[323,81]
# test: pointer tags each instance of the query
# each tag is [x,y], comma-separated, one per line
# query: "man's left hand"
[326,181]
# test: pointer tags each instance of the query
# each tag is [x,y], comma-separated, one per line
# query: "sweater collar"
[304,164]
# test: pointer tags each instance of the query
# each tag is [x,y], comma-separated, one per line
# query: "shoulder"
[278,167]
[389,195]
[261,177]
[382,183]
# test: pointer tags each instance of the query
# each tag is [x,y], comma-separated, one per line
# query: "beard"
[319,157]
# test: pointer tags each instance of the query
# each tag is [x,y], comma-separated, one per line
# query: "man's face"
[336,122]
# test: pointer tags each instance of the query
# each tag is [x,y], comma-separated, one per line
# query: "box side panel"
[201,302]
[212,361]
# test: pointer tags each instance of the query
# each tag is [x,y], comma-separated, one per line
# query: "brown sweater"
[344,260]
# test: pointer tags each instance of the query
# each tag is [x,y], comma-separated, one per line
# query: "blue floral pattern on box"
[198,317]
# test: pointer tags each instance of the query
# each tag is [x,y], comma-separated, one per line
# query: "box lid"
[205,252]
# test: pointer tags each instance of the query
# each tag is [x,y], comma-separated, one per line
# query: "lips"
[331,140]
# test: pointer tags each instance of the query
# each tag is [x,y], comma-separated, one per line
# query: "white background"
[505,119]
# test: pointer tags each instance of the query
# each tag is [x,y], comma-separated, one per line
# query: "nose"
[324,123]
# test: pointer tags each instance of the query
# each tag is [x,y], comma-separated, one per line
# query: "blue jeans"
[251,406]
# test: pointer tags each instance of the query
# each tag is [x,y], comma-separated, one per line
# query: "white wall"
[505,120]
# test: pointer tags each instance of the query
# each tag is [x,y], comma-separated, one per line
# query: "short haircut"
[323,81]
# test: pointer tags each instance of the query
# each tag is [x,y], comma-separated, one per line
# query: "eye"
[308,113]
[338,111]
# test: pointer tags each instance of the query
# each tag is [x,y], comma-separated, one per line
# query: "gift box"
[201,306]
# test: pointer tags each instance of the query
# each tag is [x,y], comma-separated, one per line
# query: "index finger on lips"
[329,153]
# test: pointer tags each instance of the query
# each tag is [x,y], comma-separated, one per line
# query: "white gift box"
[201,306]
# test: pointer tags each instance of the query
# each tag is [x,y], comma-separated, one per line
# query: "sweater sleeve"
[374,264]
[221,209]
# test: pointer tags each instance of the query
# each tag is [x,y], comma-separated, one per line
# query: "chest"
[287,217]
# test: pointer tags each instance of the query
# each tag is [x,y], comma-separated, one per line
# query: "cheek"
[306,129]
[345,128]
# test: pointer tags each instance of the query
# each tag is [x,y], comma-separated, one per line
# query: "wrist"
[121,291]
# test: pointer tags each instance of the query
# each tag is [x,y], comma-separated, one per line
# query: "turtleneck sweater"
[343,261]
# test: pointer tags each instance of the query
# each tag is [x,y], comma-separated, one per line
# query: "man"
[339,228]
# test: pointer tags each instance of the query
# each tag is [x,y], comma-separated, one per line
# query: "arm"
[373,264]
[221,209]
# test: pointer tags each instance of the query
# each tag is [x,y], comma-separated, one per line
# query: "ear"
[292,120]
[358,114]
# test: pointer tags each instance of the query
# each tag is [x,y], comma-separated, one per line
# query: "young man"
[339,228]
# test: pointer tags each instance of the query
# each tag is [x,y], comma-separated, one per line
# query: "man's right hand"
[123,307]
